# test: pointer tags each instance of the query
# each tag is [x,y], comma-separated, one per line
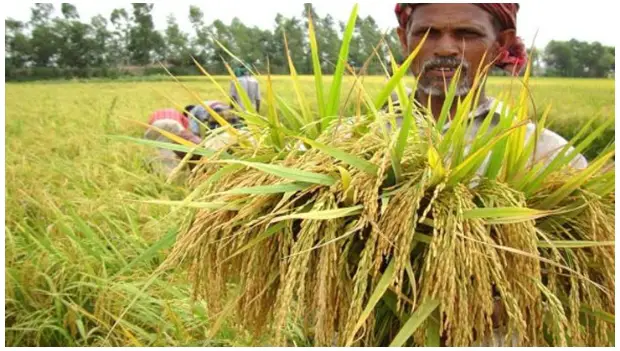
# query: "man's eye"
[422,32]
[468,33]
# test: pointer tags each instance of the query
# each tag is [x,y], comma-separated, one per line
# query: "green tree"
[559,59]
[535,58]
[330,44]
[598,60]
[250,43]
[69,11]
[370,37]
[16,44]
[44,40]
[102,41]
[575,58]
[119,43]
[220,32]
[145,43]
[200,43]
[77,49]
[293,28]
[41,14]
[394,46]
[177,41]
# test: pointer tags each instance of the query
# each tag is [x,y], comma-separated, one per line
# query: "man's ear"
[402,36]
[506,38]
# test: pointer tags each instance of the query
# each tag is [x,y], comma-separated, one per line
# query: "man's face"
[458,34]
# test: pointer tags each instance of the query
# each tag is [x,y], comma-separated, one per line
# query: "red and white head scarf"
[511,59]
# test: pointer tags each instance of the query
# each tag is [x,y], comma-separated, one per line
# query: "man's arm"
[549,146]
[233,94]
[194,127]
[257,96]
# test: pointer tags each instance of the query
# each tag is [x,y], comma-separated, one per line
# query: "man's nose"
[447,46]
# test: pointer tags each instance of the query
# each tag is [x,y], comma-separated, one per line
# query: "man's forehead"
[429,15]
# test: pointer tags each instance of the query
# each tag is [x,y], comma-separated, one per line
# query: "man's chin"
[439,89]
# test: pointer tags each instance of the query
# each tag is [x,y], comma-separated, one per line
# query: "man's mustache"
[444,62]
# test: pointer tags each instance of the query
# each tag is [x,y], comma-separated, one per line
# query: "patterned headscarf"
[511,59]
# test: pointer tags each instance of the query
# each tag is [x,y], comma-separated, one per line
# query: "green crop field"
[82,250]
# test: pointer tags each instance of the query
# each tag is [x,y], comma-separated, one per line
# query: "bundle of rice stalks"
[372,232]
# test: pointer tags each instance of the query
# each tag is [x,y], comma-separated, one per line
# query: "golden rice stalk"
[369,234]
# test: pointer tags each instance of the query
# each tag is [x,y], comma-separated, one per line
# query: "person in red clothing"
[172,121]
[177,123]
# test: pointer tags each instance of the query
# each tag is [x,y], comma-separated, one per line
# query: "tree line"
[127,42]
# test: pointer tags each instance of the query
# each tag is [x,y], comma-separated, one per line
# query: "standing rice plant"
[373,234]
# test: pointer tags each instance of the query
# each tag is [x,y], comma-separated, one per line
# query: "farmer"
[250,85]
[174,122]
[463,34]
[203,115]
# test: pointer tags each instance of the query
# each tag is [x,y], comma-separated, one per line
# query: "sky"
[554,20]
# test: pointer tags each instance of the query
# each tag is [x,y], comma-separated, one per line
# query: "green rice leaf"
[303,104]
[573,244]
[497,158]
[454,139]
[357,162]
[266,189]
[192,204]
[316,66]
[564,158]
[505,213]
[436,164]
[169,146]
[531,145]
[272,113]
[423,238]
[445,109]
[483,135]
[223,315]
[343,57]
[576,181]
[273,229]
[433,334]
[603,184]
[419,316]
[345,178]
[323,215]
[476,158]
[162,244]
[293,120]
[380,289]
[602,315]
[387,90]
[215,177]
[408,122]
[286,173]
